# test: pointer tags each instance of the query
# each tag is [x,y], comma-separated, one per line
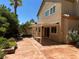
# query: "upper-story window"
[52,10]
[47,13]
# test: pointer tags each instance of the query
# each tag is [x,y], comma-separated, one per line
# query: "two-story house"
[56,18]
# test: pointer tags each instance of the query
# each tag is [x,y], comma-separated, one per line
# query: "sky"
[27,11]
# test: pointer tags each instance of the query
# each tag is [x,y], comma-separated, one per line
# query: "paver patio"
[28,48]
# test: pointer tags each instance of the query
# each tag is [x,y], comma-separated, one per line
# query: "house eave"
[40,7]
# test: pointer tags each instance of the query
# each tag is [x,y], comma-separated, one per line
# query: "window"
[39,29]
[52,10]
[53,29]
[47,13]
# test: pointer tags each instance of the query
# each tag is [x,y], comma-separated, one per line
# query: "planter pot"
[10,50]
[77,44]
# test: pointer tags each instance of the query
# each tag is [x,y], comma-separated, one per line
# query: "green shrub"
[2,54]
[3,43]
[2,40]
[74,36]
[6,43]
[8,22]
[12,42]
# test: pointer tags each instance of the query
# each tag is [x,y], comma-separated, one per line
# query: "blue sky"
[27,11]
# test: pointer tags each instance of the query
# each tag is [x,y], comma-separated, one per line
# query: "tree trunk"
[15,10]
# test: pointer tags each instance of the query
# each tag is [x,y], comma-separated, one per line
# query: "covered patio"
[46,32]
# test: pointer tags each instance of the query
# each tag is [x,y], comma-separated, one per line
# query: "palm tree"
[15,4]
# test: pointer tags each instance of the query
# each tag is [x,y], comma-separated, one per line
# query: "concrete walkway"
[28,48]
[61,52]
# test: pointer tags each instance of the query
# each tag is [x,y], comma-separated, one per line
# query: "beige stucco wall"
[52,18]
[64,28]
[67,7]
[56,36]
[63,7]
[67,25]
[76,7]
[73,24]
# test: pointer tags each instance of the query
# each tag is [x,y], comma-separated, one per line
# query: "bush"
[74,36]
[12,42]
[8,22]
[6,43]
[2,54]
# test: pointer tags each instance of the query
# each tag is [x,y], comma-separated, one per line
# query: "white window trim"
[55,9]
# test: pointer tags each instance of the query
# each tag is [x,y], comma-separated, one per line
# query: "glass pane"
[53,29]
[54,9]
[47,13]
[51,10]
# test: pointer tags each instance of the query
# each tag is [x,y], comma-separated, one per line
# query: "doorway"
[46,31]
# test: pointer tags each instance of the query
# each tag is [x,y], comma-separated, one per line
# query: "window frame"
[49,13]
[46,12]
[53,10]
[55,29]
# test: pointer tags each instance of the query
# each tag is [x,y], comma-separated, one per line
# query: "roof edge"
[40,7]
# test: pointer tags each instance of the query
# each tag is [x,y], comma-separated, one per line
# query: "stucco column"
[41,31]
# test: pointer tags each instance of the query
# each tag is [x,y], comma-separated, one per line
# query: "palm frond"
[11,4]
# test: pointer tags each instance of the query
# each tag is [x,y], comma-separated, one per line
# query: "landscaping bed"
[9,50]
[73,36]
[7,46]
